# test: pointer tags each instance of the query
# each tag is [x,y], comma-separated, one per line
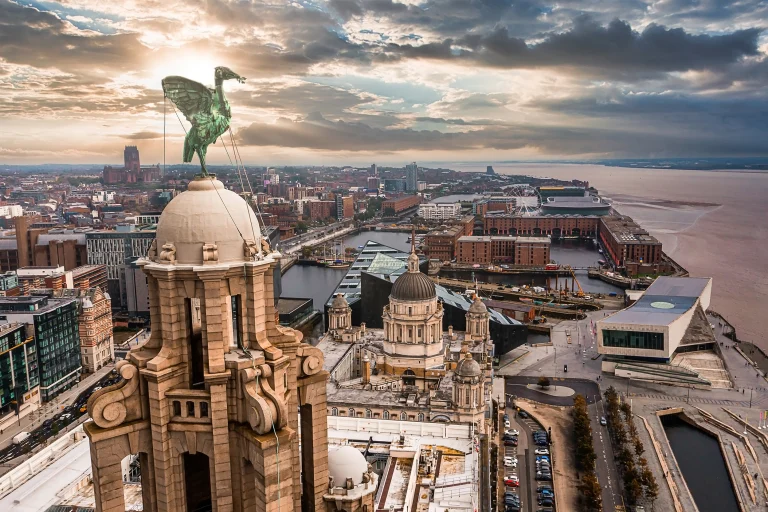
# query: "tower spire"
[413,260]
[413,238]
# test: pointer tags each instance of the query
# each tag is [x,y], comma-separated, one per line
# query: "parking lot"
[528,471]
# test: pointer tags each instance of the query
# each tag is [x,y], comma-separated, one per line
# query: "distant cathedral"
[132,171]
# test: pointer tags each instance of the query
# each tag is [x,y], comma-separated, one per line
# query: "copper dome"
[413,286]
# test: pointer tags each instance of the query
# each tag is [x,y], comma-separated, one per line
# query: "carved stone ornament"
[264,406]
[210,253]
[119,403]
[265,246]
[168,253]
[152,252]
[311,360]
[251,250]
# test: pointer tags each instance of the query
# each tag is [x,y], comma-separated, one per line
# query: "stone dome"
[339,301]
[468,367]
[413,285]
[477,306]
[207,213]
[346,462]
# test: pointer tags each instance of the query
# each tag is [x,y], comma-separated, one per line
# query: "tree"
[389,212]
[543,382]
[301,227]
[651,487]
[639,448]
[590,490]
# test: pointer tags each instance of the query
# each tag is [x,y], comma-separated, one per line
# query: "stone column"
[314,442]
[107,477]
[270,456]
[222,481]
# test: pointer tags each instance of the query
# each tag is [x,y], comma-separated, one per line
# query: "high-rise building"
[345,207]
[57,338]
[412,177]
[18,367]
[374,170]
[210,403]
[116,250]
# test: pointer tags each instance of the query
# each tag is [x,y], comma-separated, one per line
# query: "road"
[605,464]
[314,237]
[52,408]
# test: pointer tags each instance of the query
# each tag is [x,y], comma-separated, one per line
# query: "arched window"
[334,411]
[386,415]
[403,416]
[368,413]
[467,398]
[421,416]
[351,412]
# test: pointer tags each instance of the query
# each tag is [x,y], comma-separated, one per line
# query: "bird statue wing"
[191,97]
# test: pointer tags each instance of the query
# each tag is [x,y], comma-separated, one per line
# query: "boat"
[337,264]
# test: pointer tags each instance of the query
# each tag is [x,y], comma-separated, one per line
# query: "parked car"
[541,451]
[523,414]
[512,481]
[546,502]
[506,417]
[510,442]
[512,432]
[509,464]
[543,476]
[507,424]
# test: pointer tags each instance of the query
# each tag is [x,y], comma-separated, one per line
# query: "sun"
[195,66]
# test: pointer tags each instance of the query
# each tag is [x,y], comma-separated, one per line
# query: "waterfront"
[711,222]
[701,462]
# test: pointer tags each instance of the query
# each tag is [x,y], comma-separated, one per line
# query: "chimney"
[366,369]
[362,327]
[450,332]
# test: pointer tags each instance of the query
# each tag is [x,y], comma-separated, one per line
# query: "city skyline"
[357,81]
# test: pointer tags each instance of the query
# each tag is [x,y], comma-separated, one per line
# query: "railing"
[189,405]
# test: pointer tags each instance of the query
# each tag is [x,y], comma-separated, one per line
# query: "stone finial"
[152,252]
[168,253]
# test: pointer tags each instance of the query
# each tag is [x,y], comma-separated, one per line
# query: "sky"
[359,81]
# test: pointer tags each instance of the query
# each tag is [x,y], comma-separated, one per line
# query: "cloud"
[589,48]
[318,133]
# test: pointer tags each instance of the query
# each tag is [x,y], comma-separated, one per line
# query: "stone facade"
[211,401]
[95,323]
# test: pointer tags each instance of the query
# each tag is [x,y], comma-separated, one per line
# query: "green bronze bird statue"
[207,109]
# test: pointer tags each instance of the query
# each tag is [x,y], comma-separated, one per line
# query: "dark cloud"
[590,48]
[42,40]
[317,133]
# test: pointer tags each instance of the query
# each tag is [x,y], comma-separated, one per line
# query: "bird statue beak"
[241,79]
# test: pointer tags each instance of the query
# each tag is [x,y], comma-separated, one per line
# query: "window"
[352,413]
[386,415]
[190,408]
[203,409]
[334,411]
[633,339]
[176,408]
[403,416]
[421,416]
[367,413]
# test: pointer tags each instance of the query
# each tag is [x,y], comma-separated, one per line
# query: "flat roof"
[663,302]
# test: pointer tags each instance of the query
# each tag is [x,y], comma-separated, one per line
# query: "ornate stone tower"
[478,320]
[468,390]
[352,482]
[413,327]
[339,314]
[210,402]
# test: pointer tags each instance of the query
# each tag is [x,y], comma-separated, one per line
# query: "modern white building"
[668,318]
[11,210]
[439,211]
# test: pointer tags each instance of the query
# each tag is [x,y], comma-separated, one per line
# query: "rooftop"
[663,302]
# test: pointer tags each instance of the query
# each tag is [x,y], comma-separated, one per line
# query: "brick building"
[528,251]
[400,204]
[555,225]
[440,244]
[626,242]
[345,207]
[321,210]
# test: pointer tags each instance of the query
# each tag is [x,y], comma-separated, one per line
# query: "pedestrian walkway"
[697,400]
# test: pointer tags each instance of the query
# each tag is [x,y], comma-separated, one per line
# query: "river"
[711,222]
[700,460]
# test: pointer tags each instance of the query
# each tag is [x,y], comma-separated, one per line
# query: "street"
[52,408]
[605,464]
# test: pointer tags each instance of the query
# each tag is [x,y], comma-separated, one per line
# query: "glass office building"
[55,327]
[18,365]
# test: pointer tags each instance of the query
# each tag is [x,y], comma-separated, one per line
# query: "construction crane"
[580,293]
